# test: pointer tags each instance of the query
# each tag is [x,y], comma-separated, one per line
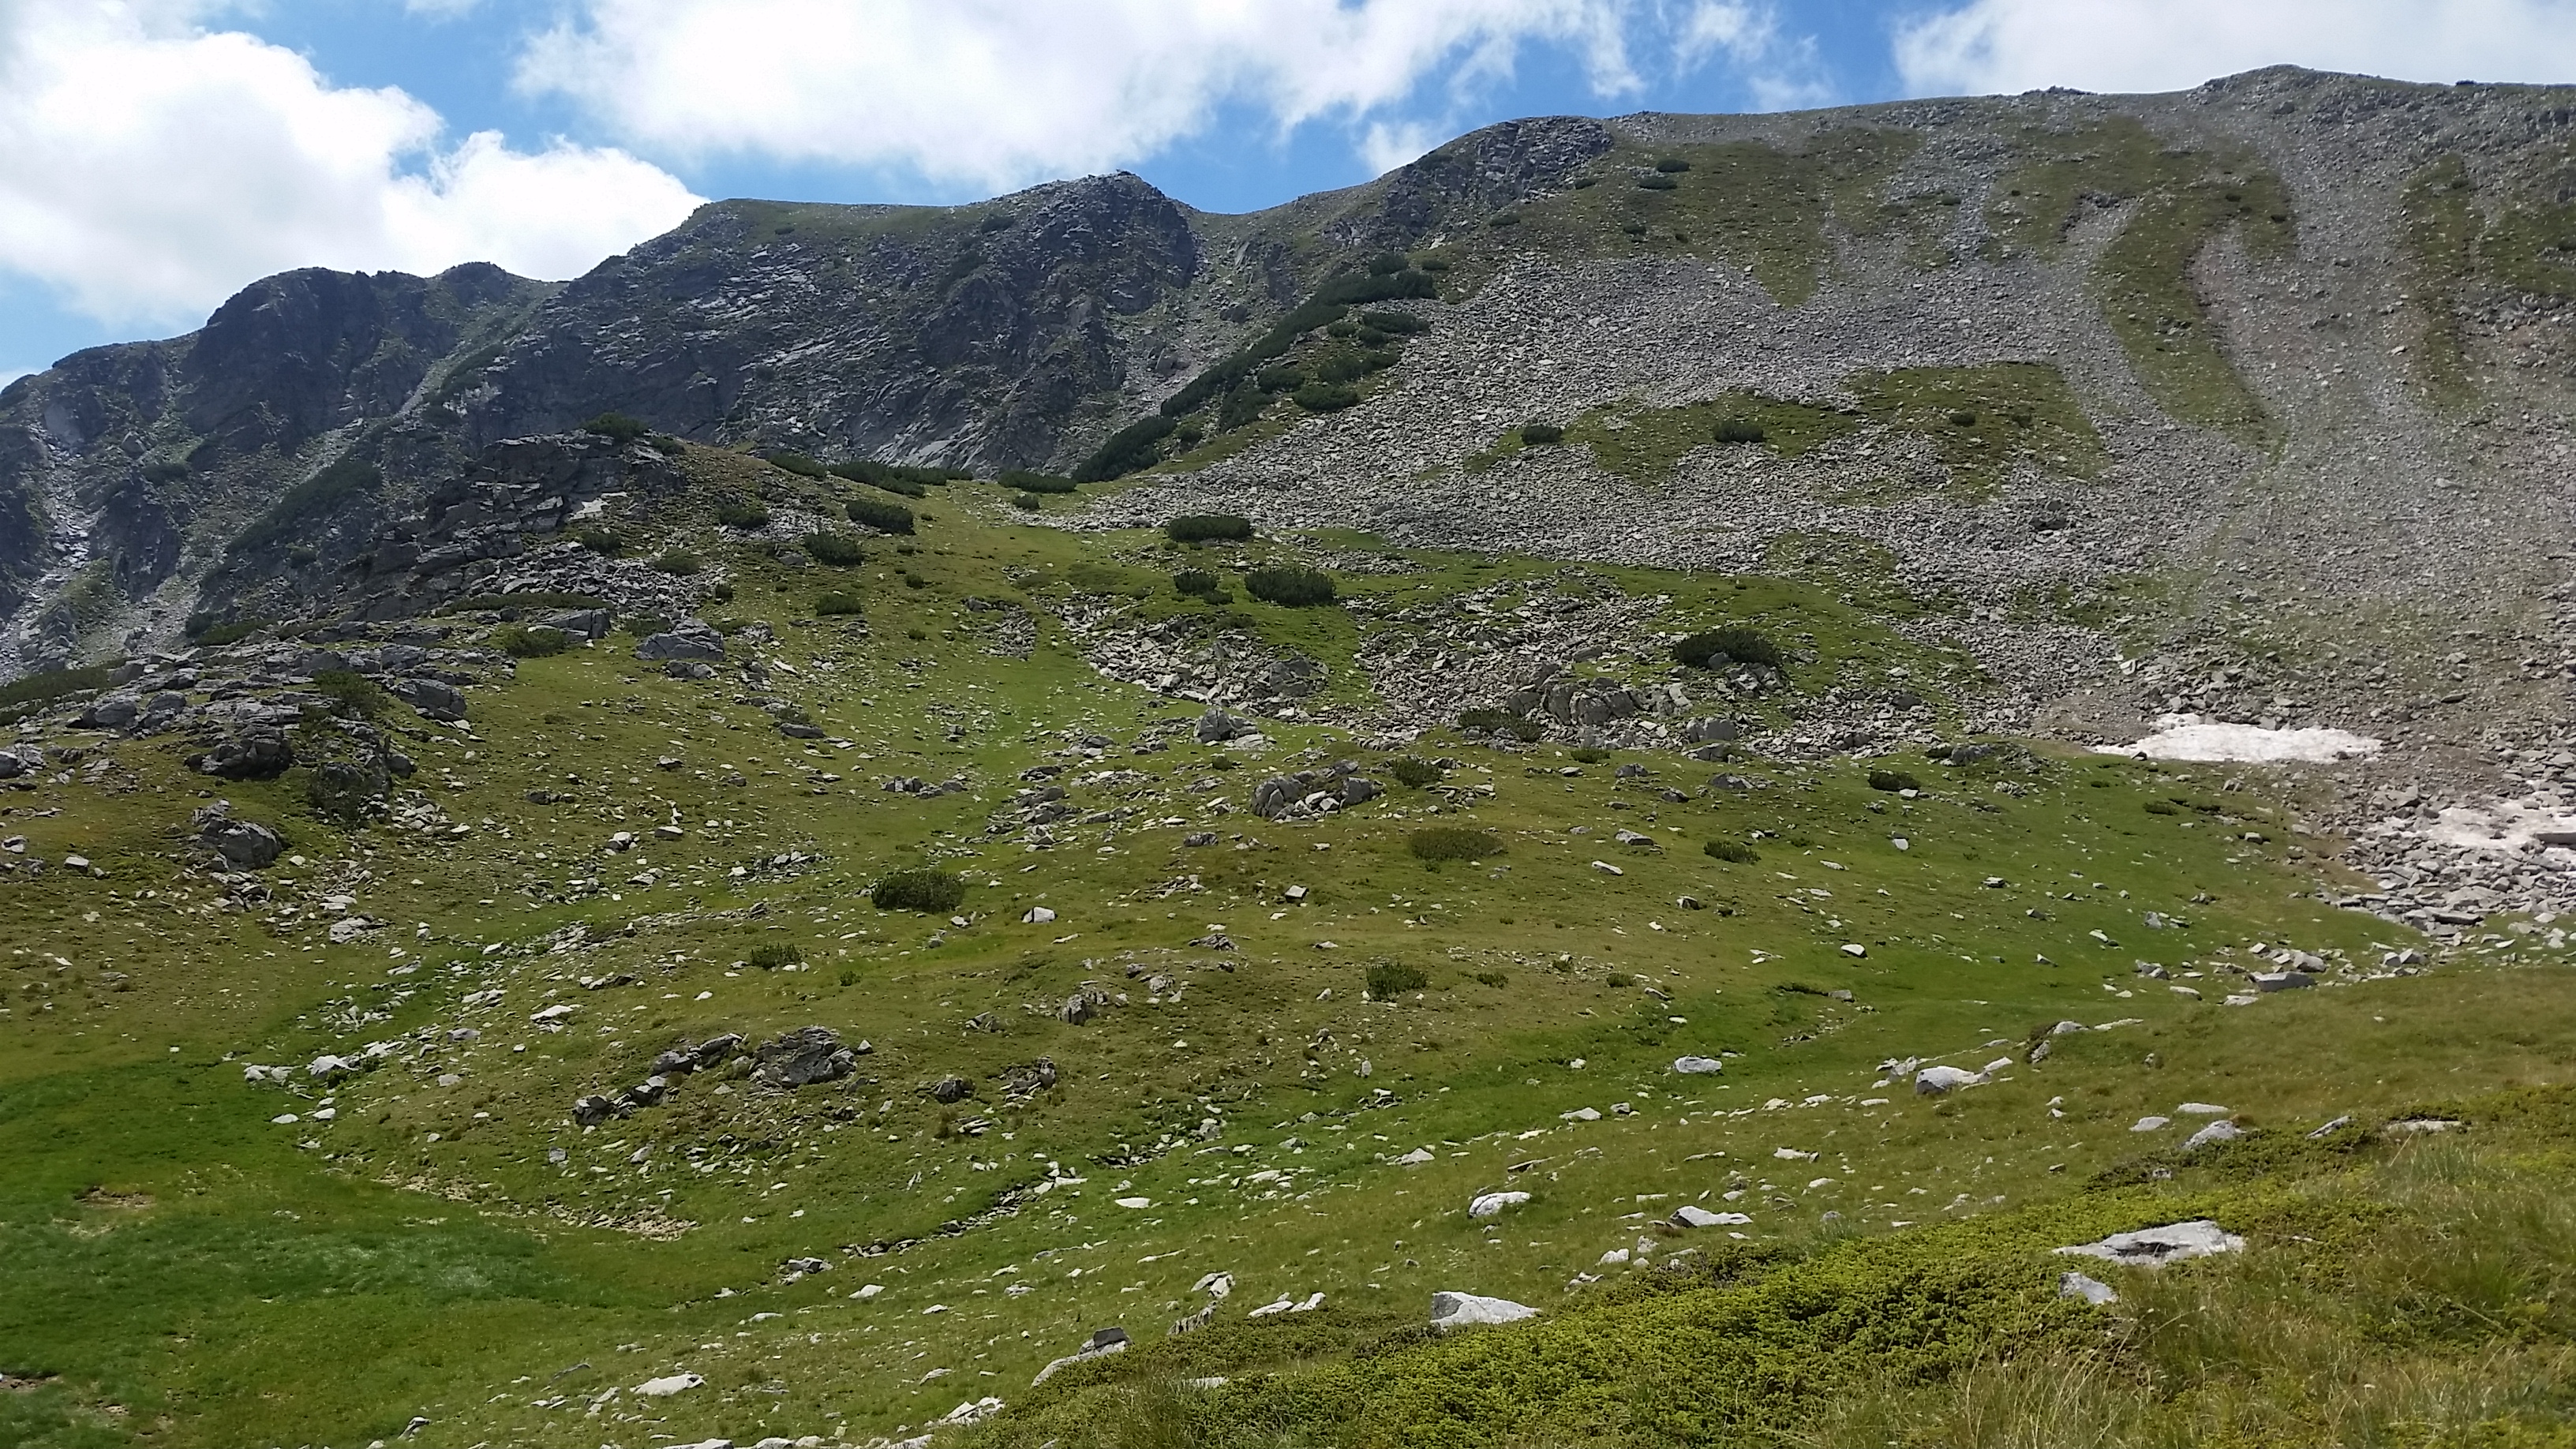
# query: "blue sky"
[156,155]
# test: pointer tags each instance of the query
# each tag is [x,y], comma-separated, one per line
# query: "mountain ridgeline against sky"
[2273,277]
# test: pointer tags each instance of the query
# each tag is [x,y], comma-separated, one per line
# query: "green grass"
[2179,199]
[1982,422]
[2468,242]
[1751,206]
[189,1264]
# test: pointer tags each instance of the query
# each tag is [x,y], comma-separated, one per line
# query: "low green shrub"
[307,501]
[1732,851]
[1452,842]
[1028,481]
[927,890]
[839,601]
[2163,807]
[1657,181]
[679,562]
[1390,979]
[770,955]
[1963,419]
[1290,586]
[644,626]
[1733,644]
[1126,450]
[1387,264]
[1537,434]
[1399,323]
[1500,722]
[616,427]
[1590,756]
[1670,164]
[745,513]
[1198,584]
[600,541]
[1027,502]
[1208,528]
[53,684]
[882,475]
[352,695]
[1893,780]
[1495,979]
[1280,379]
[880,515]
[836,549]
[1325,397]
[1414,773]
[530,641]
[795,462]
[1738,430]
[1503,219]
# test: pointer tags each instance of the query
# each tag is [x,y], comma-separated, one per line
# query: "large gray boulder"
[1461,1310]
[2154,1247]
[693,639]
[244,844]
[260,752]
[432,698]
[802,1057]
[1216,727]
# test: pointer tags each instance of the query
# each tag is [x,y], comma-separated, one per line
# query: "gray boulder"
[802,1057]
[2071,1284]
[433,699]
[693,639]
[111,712]
[951,1088]
[1273,796]
[1462,1310]
[1216,727]
[346,790]
[2153,1247]
[261,752]
[244,844]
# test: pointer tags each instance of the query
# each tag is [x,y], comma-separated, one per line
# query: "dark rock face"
[118,459]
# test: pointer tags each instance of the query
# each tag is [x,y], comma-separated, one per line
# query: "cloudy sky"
[155,155]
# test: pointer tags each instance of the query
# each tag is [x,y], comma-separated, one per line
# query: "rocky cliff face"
[2291,350]
[125,470]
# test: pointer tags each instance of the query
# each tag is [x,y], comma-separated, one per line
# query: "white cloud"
[149,167]
[1390,144]
[1779,72]
[1001,92]
[2159,45]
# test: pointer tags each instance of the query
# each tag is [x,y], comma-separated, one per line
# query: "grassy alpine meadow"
[1159,1038]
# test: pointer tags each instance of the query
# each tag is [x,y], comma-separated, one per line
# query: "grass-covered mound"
[2395,1288]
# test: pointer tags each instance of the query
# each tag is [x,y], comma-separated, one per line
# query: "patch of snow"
[2190,737]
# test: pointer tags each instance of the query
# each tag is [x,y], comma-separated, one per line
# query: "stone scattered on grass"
[1461,1310]
[2219,1131]
[2154,1247]
[2072,1284]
